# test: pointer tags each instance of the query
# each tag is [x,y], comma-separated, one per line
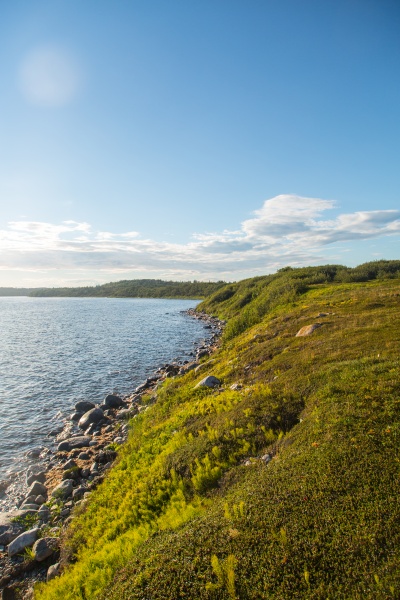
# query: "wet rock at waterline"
[113,401]
[92,416]
[81,441]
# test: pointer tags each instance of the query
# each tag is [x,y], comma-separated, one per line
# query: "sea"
[57,351]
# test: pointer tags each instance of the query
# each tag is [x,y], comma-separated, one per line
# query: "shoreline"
[68,474]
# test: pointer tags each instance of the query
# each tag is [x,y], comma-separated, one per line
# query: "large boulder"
[84,406]
[63,489]
[9,528]
[37,489]
[209,381]
[45,547]
[25,540]
[35,476]
[81,441]
[113,401]
[92,416]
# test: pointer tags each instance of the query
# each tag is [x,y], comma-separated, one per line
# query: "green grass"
[180,515]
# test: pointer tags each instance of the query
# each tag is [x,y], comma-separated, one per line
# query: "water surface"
[56,351]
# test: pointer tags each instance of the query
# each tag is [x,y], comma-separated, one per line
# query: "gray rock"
[79,493]
[83,456]
[70,464]
[37,489]
[35,452]
[76,416]
[113,401]
[81,441]
[30,506]
[209,381]
[24,540]
[28,500]
[118,440]
[53,571]
[308,329]
[45,547]
[94,468]
[40,500]
[32,477]
[127,413]
[85,473]
[9,529]
[63,489]
[84,406]
[93,443]
[92,416]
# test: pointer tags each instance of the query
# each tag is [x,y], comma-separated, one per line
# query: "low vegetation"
[285,487]
[137,288]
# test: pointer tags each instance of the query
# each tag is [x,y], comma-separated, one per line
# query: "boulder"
[92,416]
[63,489]
[37,489]
[9,529]
[76,416]
[24,540]
[308,329]
[79,493]
[45,547]
[70,464]
[83,456]
[40,500]
[39,476]
[81,441]
[209,381]
[30,506]
[53,571]
[84,406]
[113,401]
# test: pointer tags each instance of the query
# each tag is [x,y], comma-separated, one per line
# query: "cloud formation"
[286,230]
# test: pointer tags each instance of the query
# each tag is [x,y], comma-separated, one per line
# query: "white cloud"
[286,230]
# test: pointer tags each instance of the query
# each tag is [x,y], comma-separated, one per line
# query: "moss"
[191,511]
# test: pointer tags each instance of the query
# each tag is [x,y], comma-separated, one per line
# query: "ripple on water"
[56,351]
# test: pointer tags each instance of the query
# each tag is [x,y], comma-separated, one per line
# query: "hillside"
[282,482]
[136,288]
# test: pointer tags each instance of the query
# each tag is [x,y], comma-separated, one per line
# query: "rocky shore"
[31,533]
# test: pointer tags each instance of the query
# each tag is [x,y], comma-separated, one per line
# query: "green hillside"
[284,488]
[136,288]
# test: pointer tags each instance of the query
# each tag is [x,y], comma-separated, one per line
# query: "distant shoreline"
[136,288]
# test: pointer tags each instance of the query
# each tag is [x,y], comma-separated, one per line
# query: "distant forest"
[136,288]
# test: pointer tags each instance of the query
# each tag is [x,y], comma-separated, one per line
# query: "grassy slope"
[181,516]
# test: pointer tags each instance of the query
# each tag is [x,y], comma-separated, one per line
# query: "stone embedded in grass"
[209,381]
[308,329]
[45,547]
[53,571]
[25,540]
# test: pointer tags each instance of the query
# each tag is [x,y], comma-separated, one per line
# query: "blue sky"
[196,140]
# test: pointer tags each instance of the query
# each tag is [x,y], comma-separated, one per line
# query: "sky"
[207,140]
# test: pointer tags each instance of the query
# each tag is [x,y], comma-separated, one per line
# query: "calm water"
[56,351]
